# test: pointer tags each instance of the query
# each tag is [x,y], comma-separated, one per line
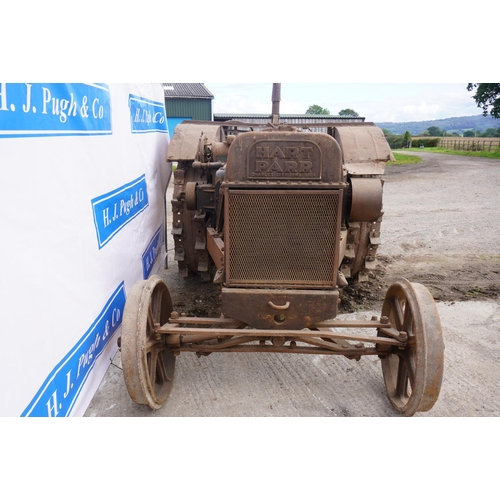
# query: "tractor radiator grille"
[282,238]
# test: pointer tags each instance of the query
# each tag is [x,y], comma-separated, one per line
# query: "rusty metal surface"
[277,238]
[407,337]
[284,155]
[148,365]
[363,239]
[215,247]
[190,195]
[206,335]
[365,149]
[276,97]
[413,375]
[185,142]
[188,226]
[279,309]
[366,202]
[269,215]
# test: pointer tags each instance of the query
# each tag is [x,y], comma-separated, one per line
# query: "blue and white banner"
[73,172]
[152,251]
[147,115]
[61,388]
[54,109]
[112,211]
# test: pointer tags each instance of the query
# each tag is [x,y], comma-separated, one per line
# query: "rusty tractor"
[280,218]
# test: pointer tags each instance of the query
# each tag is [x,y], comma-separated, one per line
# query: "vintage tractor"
[279,218]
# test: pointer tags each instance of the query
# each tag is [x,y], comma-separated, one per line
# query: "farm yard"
[440,228]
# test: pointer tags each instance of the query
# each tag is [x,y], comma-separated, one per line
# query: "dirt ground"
[440,228]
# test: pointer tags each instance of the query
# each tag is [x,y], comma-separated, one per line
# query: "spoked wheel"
[413,375]
[148,364]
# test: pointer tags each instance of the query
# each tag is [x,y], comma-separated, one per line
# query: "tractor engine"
[280,219]
[271,216]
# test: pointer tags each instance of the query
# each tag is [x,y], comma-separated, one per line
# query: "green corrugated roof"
[187,91]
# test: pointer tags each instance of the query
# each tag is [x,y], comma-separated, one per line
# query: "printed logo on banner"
[146,115]
[61,388]
[113,210]
[54,109]
[152,251]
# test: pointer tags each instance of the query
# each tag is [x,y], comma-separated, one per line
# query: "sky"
[377,44]
[377,102]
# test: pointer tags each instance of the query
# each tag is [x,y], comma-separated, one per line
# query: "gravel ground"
[441,229]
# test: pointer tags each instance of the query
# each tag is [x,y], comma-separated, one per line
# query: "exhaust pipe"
[276,103]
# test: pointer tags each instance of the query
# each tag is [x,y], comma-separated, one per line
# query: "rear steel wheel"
[148,364]
[189,224]
[413,375]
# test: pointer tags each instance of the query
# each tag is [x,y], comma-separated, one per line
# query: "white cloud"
[420,111]
[376,102]
[235,102]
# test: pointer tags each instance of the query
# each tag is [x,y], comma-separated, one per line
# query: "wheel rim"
[148,364]
[413,375]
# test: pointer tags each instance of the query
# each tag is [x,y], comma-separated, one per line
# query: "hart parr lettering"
[284,160]
[291,152]
[41,109]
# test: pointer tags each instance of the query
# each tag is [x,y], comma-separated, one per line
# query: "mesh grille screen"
[283,238]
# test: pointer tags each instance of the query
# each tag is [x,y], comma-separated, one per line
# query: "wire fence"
[473,144]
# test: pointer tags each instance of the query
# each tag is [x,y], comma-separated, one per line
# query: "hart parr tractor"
[279,218]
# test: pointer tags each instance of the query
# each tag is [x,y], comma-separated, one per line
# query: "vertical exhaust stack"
[276,103]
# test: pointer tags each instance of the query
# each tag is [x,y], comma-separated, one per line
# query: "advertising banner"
[84,176]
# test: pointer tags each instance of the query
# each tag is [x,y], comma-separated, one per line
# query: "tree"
[469,133]
[407,139]
[317,110]
[434,131]
[348,112]
[489,132]
[487,94]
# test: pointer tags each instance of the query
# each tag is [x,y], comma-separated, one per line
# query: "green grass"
[475,292]
[481,154]
[402,159]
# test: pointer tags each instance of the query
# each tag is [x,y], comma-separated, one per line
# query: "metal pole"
[276,103]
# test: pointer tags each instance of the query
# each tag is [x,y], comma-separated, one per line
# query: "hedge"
[398,142]
[416,142]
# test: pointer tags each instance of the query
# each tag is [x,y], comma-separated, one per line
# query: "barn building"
[186,101]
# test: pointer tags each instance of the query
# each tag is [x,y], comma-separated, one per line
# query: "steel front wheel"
[413,375]
[148,364]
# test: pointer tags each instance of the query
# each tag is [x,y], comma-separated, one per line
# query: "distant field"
[493,154]
[489,144]
[476,139]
